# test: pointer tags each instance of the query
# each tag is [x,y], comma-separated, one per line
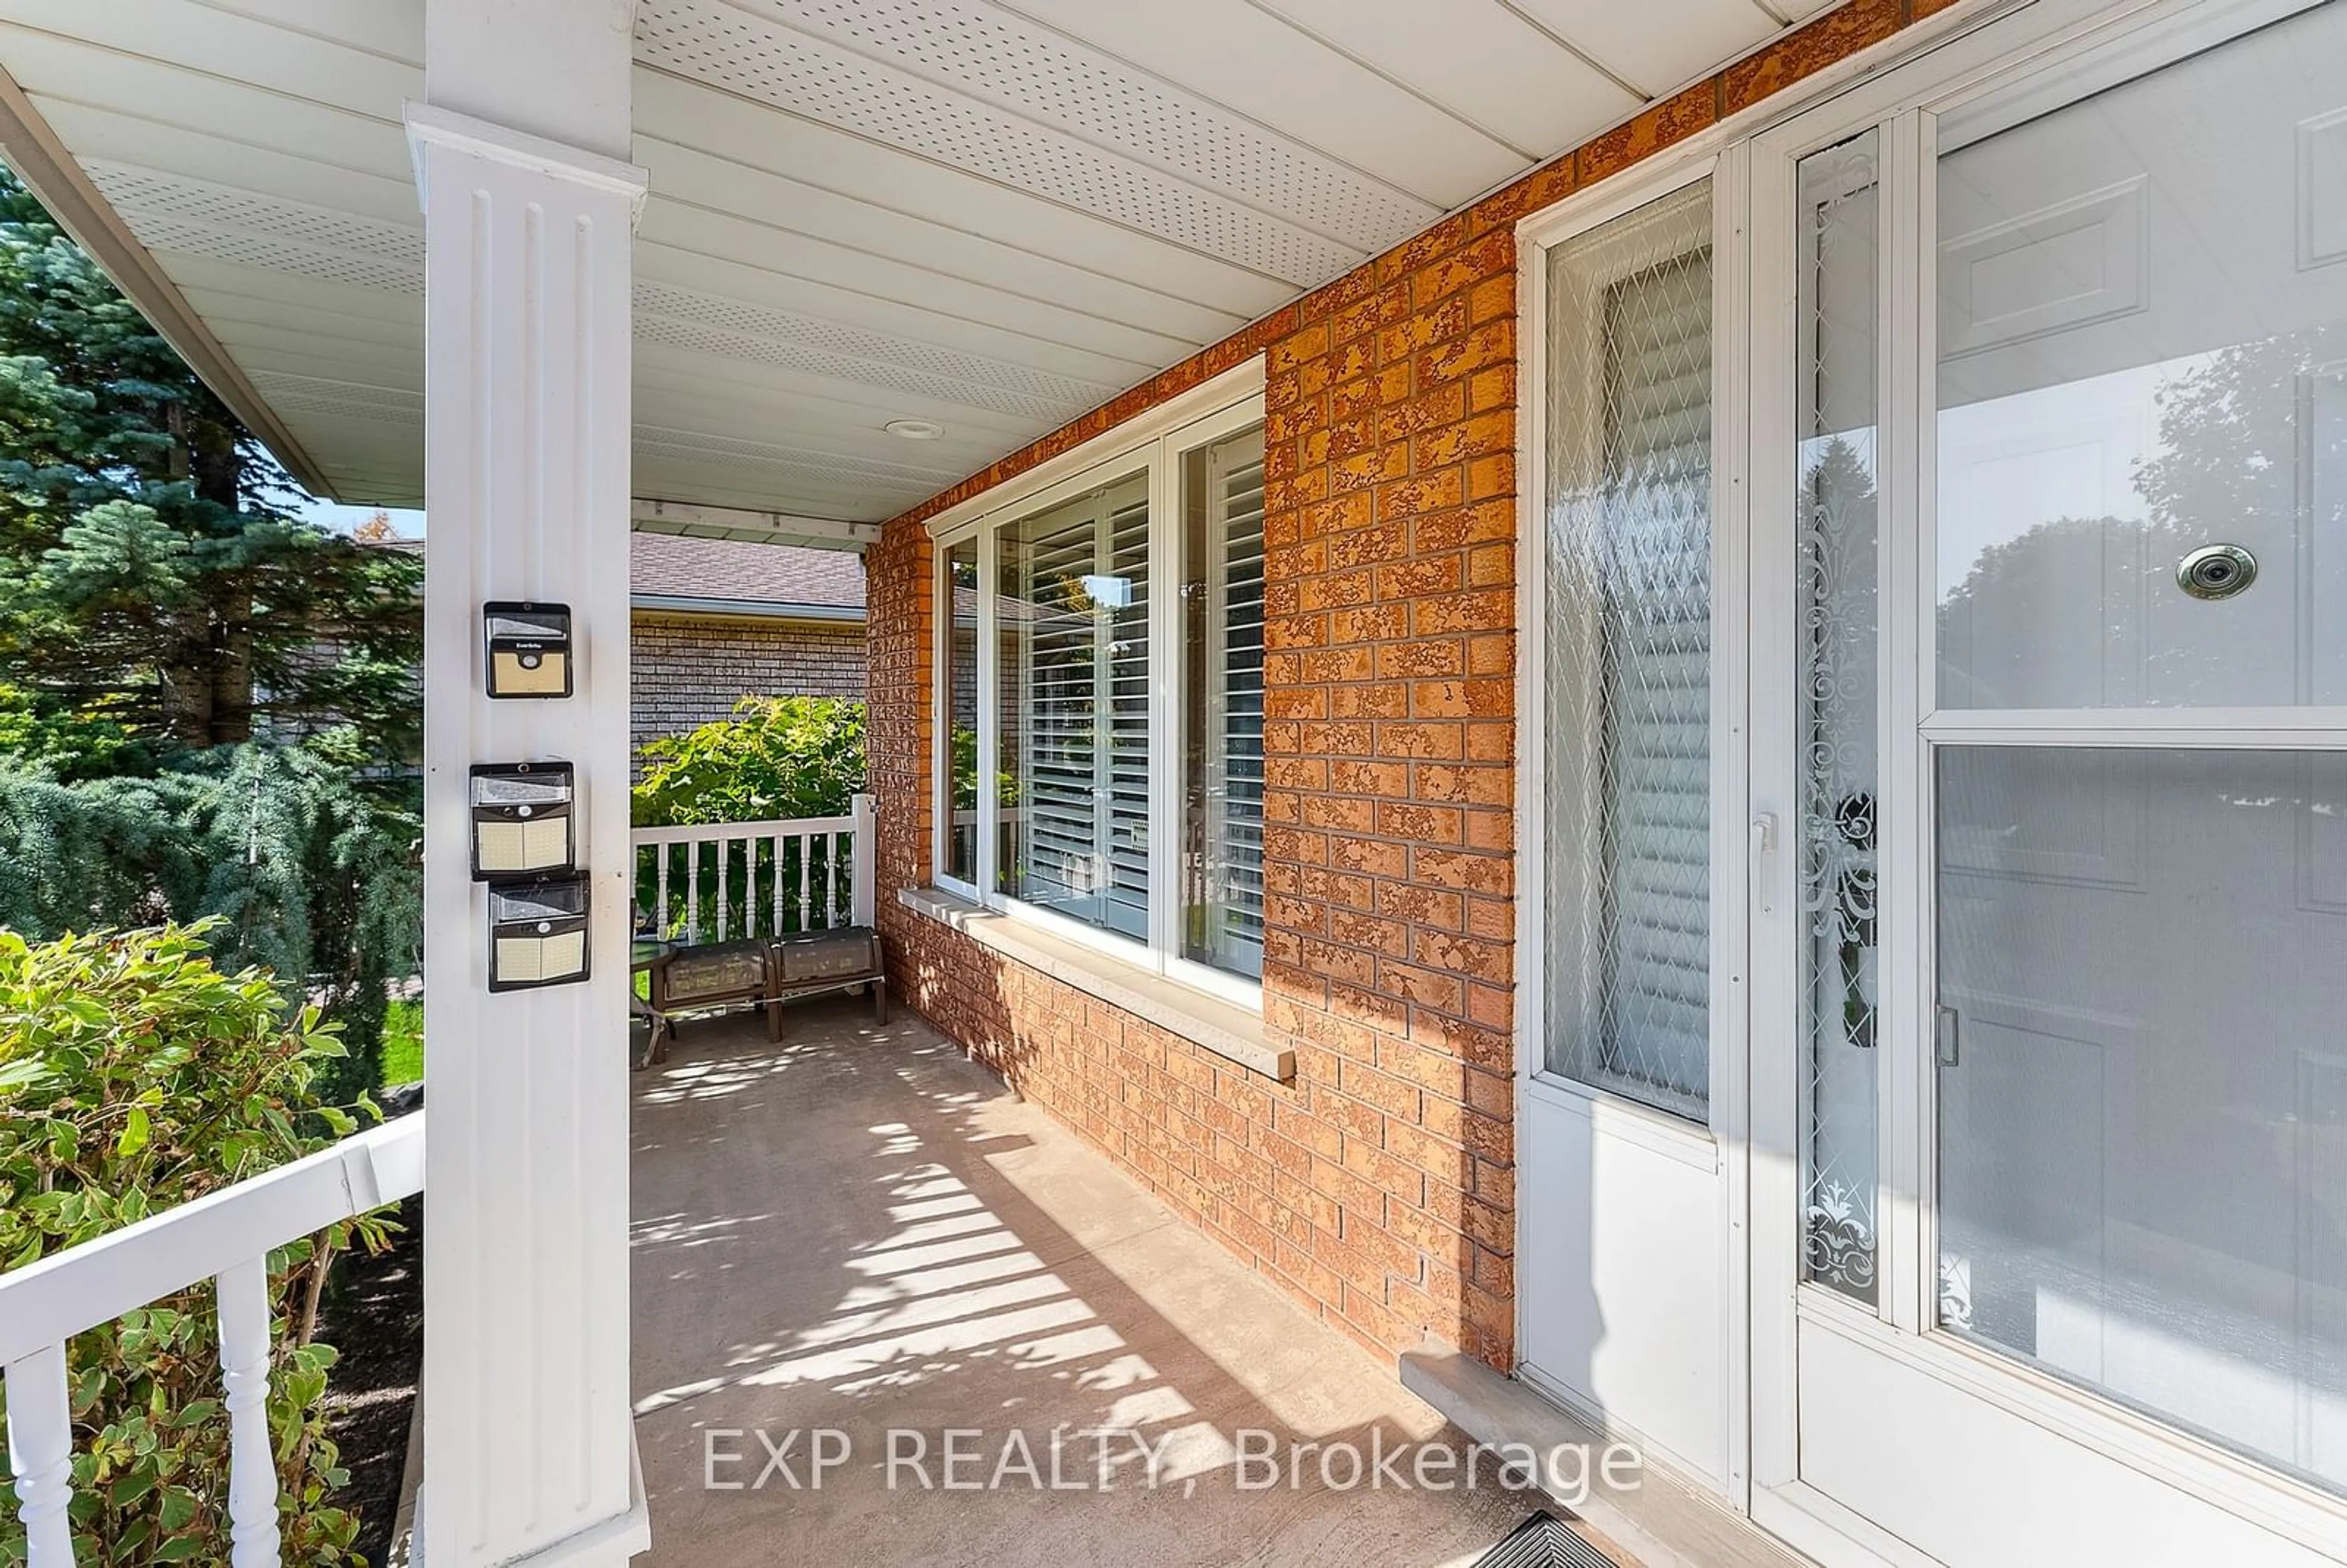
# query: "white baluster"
[244,1368]
[724,868]
[806,907]
[40,1454]
[774,845]
[749,887]
[831,910]
[693,890]
[661,925]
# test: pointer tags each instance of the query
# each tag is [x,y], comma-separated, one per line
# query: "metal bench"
[705,975]
[767,971]
[821,961]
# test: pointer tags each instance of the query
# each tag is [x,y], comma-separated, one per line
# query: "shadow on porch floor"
[857,1229]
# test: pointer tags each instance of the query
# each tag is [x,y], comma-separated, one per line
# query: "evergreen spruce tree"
[207,704]
[152,575]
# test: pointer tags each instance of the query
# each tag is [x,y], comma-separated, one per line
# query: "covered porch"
[856,1232]
[1324,1029]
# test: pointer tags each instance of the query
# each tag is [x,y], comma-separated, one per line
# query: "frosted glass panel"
[1835,623]
[2143,1132]
[2142,336]
[1627,731]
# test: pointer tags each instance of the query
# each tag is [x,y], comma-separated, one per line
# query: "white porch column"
[530,206]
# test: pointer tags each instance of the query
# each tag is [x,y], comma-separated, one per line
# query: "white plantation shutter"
[1119,656]
[1078,578]
[1629,663]
[1124,653]
[1229,904]
[1058,684]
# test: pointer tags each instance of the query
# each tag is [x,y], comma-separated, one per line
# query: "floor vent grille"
[1544,1541]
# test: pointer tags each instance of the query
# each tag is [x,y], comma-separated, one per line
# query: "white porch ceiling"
[988,214]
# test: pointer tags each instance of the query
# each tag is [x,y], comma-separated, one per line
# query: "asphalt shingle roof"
[671,566]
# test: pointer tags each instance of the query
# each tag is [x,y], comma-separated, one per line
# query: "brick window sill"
[1224,1028]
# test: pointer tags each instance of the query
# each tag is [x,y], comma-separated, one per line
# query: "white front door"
[2050,687]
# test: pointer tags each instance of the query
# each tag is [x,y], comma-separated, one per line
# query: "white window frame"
[942,762]
[1156,442]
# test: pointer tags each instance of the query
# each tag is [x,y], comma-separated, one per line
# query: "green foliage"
[774,757]
[309,867]
[965,768]
[92,744]
[136,1075]
[150,573]
[402,1043]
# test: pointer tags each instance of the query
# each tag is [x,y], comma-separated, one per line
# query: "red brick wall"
[1378,1186]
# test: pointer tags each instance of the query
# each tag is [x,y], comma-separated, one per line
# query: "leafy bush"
[135,1074]
[309,864]
[402,1043]
[774,757]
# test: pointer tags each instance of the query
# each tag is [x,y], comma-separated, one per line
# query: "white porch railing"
[716,881]
[226,1234]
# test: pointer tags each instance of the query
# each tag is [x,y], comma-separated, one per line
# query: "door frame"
[1716,1144]
[1902,85]
[2041,54]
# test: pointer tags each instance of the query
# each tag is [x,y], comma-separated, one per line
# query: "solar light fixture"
[538,933]
[529,649]
[522,819]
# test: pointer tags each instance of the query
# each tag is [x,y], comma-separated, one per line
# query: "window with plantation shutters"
[1628,930]
[1099,657]
[1221,590]
[1076,589]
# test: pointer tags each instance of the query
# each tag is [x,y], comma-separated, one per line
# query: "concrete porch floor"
[858,1229]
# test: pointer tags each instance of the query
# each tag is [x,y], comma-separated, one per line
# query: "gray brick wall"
[688,669]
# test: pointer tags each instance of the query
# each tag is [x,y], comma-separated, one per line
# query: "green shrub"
[774,757]
[308,862]
[402,1043]
[136,1075]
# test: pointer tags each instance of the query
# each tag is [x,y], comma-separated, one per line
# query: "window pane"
[1628,675]
[2143,356]
[2143,1133]
[1075,741]
[1835,627]
[1222,746]
[960,676]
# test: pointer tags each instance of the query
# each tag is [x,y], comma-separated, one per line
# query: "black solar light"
[538,933]
[529,649]
[522,821]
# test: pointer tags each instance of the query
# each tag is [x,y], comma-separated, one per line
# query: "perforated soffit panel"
[956,83]
[1030,109]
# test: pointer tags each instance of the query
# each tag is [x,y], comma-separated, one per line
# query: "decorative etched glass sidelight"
[1836,834]
[1628,668]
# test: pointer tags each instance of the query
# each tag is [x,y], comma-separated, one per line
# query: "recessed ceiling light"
[915,429]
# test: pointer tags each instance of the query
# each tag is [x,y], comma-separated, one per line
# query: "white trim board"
[1118,442]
